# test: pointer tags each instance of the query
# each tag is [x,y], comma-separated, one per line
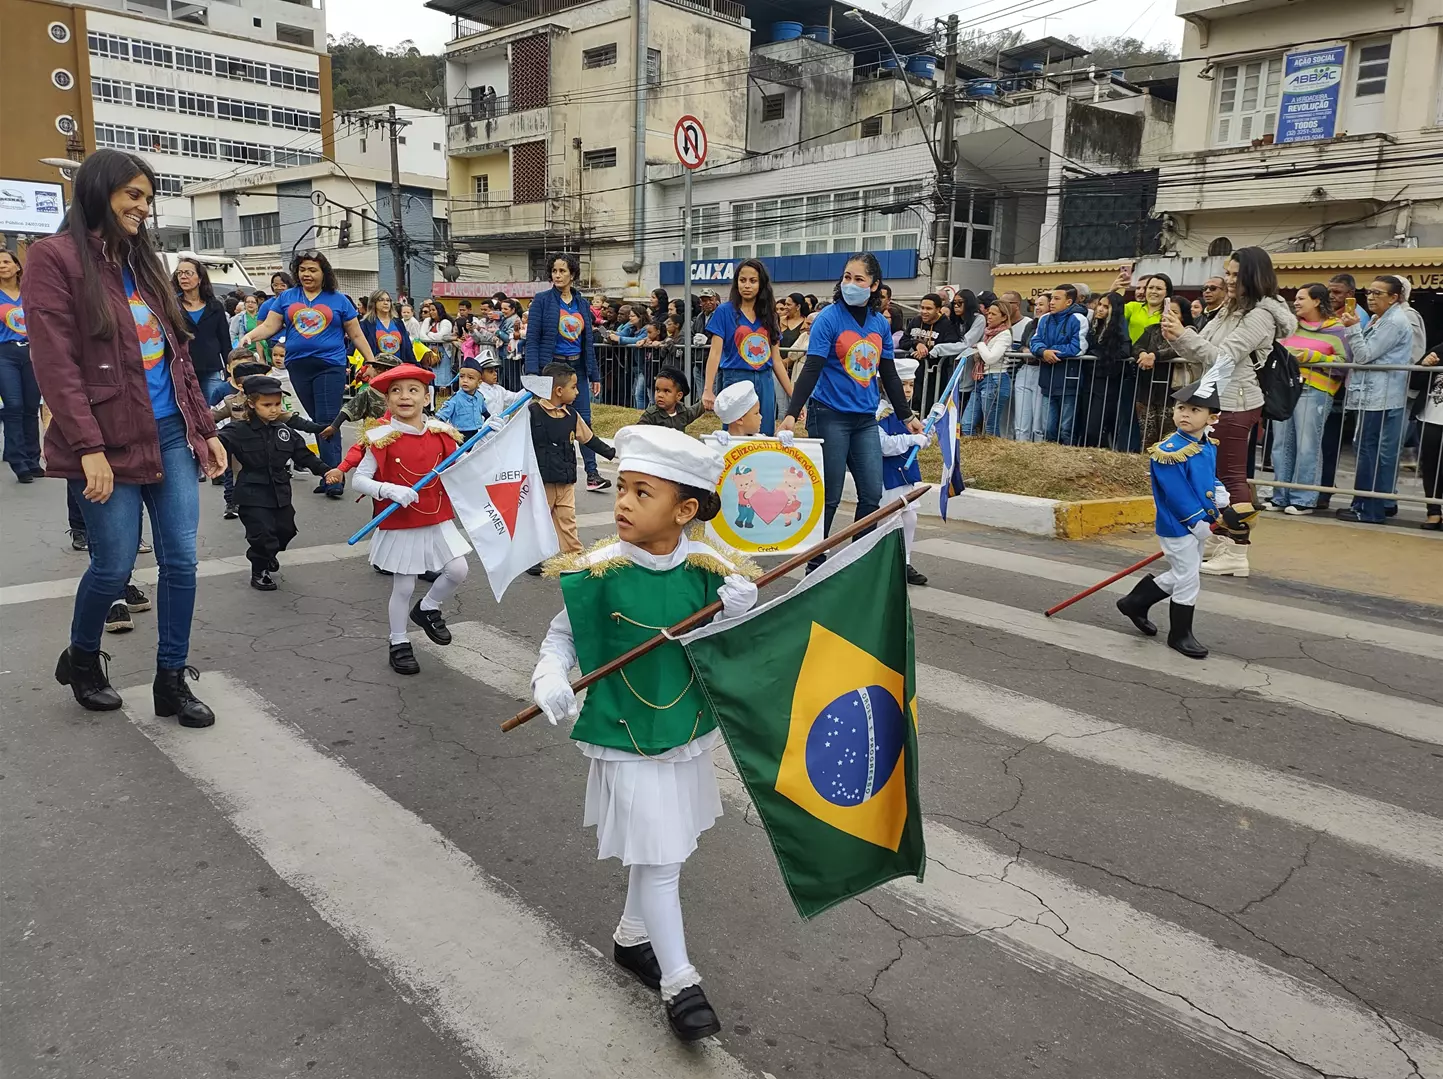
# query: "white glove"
[1202,530]
[402,496]
[737,594]
[919,440]
[787,438]
[698,339]
[1221,497]
[554,697]
[934,417]
[723,437]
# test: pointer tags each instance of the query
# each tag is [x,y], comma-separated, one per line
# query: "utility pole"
[398,235]
[947,166]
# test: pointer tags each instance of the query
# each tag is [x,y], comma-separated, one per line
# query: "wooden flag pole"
[691,622]
[1102,584]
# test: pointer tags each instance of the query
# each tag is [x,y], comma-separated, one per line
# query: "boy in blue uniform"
[465,410]
[897,476]
[1186,491]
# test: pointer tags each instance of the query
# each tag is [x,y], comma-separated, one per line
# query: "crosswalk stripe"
[1308,620]
[1410,719]
[522,995]
[1111,949]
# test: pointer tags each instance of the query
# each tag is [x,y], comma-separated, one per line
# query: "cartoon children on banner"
[772,495]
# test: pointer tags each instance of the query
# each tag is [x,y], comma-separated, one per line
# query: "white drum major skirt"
[415,551]
[651,810]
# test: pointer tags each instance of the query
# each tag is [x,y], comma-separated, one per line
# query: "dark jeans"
[1430,465]
[321,388]
[214,385]
[766,395]
[1061,418]
[1380,438]
[21,413]
[850,443]
[113,528]
[582,405]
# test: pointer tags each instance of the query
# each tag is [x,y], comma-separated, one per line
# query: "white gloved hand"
[395,493]
[919,440]
[698,339]
[737,594]
[723,437]
[555,698]
[786,438]
[1221,497]
[1202,530]
[935,416]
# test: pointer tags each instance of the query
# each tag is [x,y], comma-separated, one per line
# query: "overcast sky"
[388,22]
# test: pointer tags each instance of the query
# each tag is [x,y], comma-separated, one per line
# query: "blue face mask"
[856,295]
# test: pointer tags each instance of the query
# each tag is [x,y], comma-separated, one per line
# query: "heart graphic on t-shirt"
[753,346]
[388,341]
[768,504]
[860,356]
[310,321]
[14,317]
[570,325]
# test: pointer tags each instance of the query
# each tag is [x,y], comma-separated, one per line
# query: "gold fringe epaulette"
[385,440]
[722,561]
[369,422]
[446,429]
[1174,457]
[570,561]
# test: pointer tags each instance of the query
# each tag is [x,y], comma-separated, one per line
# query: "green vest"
[654,704]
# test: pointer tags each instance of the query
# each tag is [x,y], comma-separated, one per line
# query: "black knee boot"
[1179,631]
[87,678]
[1135,605]
[173,698]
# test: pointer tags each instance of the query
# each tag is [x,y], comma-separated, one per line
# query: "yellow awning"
[1030,279]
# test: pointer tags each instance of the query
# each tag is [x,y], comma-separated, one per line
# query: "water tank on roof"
[982,88]
[889,64]
[819,33]
[922,66]
[1119,74]
[786,31]
[1030,66]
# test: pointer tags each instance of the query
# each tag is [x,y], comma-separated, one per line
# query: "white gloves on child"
[938,411]
[1202,530]
[723,437]
[554,697]
[737,594]
[699,339]
[395,493]
[787,438]
[1221,497]
[919,440]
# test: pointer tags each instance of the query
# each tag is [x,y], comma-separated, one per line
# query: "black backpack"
[1280,381]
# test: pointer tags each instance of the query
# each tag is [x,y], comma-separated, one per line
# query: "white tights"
[653,913]
[403,585]
[909,517]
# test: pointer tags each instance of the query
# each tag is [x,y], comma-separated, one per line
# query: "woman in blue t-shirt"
[849,363]
[745,334]
[385,331]
[318,320]
[18,389]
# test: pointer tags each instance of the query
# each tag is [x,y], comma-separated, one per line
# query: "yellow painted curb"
[1094,517]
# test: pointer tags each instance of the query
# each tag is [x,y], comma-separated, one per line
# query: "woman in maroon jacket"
[129,426]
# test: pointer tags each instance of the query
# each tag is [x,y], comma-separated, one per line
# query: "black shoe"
[640,961]
[1135,604]
[24,478]
[338,491]
[915,577]
[1324,501]
[535,571]
[320,489]
[136,600]
[117,619]
[597,482]
[429,576]
[691,1015]
[403,659]
[432,622]
[173,697]
[262,580]
[231,513]
[1179,631]
[387,573]
[218,481]
[274,566]
[87,678]
[37,474]
[78,540]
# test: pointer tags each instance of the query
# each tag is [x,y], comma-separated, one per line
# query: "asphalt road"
[1139,865]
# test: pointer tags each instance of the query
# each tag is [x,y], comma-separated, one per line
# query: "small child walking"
[465,410]
[898,478]
[556,428]
[420,536]
[233,407]
[651,788]
[1188,496]
[669,407]
[264,445]
[365,403]
[498,398]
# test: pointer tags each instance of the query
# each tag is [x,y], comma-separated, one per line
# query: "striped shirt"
[1319,343]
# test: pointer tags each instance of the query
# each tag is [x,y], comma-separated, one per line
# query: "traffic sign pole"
[689,139]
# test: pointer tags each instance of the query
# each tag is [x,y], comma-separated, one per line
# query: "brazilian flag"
[816,694]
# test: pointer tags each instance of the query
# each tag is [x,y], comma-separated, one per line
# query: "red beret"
[383,380]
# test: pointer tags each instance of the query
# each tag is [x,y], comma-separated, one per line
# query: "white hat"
[669,454]
[906,368]
[735,401]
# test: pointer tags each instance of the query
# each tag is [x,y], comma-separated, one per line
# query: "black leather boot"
[1179,631]
[1135,604]
[691,1015]
[173,697]
[640,960]
[88,679]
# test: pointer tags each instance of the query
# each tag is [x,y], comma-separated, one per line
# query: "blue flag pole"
[932,421]
[486,429]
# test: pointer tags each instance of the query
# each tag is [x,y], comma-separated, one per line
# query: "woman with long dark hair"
[660,305]
[1156,370]
[1107,402]
[849,362]
[745,339]
[211,344]
[129,425]
[318,320]
[18,389]
[1237,340]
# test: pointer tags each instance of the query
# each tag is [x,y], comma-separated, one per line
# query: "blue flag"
[949,428]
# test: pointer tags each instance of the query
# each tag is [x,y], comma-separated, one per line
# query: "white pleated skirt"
[651,810]
[415,551]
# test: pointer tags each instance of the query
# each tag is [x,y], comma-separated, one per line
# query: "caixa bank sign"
[713,271]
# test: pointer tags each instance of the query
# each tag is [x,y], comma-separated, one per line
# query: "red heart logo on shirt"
[388,341]
[753,346]
[14,316]
[570,325]
[860,356]
[310,320]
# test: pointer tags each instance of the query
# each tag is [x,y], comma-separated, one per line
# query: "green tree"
[363,75]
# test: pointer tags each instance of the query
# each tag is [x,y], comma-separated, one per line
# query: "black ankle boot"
[88,679]
[173,697]
[1135,604]
[691,1015]
[640,960]
[1179,631]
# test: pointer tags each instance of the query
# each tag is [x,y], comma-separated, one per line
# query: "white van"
[226,274]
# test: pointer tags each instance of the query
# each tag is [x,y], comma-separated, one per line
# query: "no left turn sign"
[689,138]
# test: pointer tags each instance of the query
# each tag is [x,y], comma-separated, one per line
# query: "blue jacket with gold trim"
[1184,477]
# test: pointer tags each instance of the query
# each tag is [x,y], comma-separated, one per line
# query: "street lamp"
[931,148]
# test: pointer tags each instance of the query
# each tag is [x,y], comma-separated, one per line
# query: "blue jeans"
[1061,418]
[640,385]
[1027,405]
[1380,438]
[849,443]
[582,405]
[1298,448]
[214,386]
[113,529]
[21,414]
[988,404]
[766,395]
[321,386]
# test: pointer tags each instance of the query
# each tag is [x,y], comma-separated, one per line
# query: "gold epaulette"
[722,561]
[569,561]
[385,440]
[1174,457]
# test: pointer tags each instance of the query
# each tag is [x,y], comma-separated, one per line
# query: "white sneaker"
[1232,562]
[1272,507]
[1298,511]
[1216,544]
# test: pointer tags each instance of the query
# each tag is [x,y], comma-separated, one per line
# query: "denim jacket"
[1385,340]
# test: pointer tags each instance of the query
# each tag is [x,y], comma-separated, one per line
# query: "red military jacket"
[403,457]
